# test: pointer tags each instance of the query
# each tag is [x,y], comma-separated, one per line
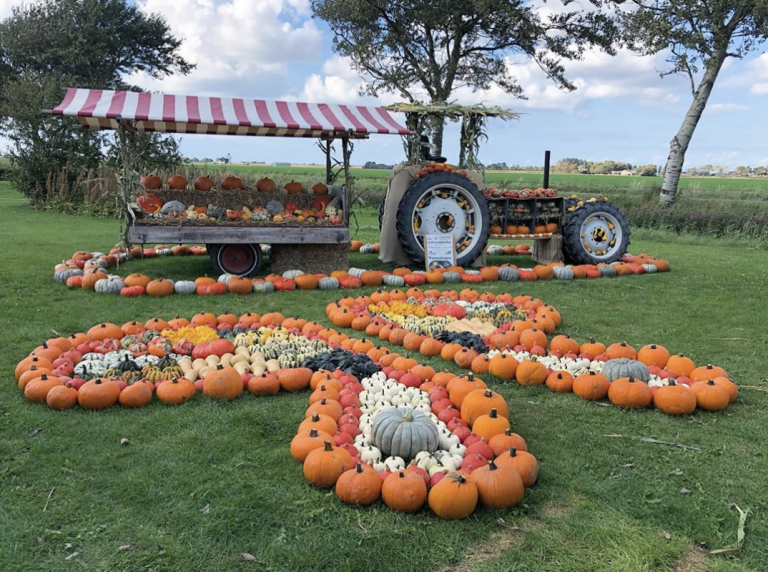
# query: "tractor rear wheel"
[596,232]
[444,203]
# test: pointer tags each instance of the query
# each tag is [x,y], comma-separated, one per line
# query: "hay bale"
[311,258]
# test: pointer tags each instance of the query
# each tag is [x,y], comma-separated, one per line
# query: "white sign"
[439,251]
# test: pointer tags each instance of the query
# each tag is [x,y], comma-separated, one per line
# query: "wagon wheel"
[238,259]
[596,232]
[444,203]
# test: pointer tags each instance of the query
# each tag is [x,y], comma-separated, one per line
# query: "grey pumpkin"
[404,432]
[111,285]
[508,274]
[622,367]
[328,283]
[184,287]
[393,280]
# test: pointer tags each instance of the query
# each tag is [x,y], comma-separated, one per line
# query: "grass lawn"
[199,485]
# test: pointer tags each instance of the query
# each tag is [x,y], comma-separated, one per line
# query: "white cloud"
[240,47]
[6,7]
[726,107]
[596,77]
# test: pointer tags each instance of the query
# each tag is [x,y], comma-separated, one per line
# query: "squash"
[622,367]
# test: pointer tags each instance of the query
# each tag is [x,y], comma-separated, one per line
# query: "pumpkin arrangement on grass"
[397,436]
[524,348]
[89,271]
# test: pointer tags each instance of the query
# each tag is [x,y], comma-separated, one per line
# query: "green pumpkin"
[127,364]
[328,283]
[393,280]
[452,277]
[608,272]
[622,367]
[404,432]
[563,273]
[263,287]
[508,274]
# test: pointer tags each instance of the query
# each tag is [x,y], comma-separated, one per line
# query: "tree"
[439,46]
[700,35]
[742,171]
[53,44]
[646,171]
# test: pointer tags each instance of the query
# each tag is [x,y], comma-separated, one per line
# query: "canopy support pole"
[128,180]
[349,182]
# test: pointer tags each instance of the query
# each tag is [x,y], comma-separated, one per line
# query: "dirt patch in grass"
[556,510]
[694,560]
[494,546]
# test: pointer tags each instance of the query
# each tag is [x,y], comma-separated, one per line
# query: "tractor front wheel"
[444,203]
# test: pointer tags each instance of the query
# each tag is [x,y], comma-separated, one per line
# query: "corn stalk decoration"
[419,117]
[128,180]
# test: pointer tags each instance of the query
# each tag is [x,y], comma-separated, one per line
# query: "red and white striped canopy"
[159,112]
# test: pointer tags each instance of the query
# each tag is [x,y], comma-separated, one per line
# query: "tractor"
[426,195]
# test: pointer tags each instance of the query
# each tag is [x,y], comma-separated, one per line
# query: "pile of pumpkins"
[392,437]
[228,183]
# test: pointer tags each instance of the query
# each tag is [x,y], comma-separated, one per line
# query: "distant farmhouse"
[624,172]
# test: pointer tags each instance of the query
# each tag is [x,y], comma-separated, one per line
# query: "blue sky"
[622,109]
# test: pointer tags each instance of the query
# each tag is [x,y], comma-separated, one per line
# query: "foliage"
[621,509]
[438,46]
[375,165]
[700,35]
[52,44]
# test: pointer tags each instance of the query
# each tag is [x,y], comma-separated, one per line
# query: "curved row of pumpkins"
[229,183]
[87,272]
[522,345]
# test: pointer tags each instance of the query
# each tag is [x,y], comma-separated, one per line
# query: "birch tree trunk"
[438,125]
[679,144]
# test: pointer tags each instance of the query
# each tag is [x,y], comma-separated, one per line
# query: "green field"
[516,179]
[200,485]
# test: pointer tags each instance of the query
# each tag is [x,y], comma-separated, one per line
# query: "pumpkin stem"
[402,474]
[513,452]
[328,446]
[492,466]
[710,382]
[631,379]
[493,414]
[323,401]
[359,468]
[672,383]
[313,432]
[219,366]
[488,393]
[44,377]
[315,416]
